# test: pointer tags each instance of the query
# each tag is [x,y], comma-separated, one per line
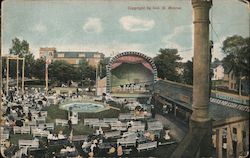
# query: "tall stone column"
[1,82]
[219,143]
[229,141]
[200,118]
[239,139]
[201,60]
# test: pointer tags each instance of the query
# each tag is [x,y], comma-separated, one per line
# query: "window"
[61,55]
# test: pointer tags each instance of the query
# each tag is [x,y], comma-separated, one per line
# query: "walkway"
[177,130]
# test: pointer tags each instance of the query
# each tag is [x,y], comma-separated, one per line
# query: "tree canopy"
[21,49]
[237,50]
[168,64]
[188,72]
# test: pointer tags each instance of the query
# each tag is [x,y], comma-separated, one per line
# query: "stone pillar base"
[206,143]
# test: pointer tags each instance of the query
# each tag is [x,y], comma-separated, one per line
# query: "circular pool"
[83,107]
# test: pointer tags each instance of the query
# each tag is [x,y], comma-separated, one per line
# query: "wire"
[185,50]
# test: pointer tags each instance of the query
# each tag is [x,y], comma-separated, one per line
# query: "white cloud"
[40,28]
[133,24]
[93,25]
[179,32]
[181,39]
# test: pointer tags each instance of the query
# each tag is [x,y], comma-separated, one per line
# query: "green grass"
[15,137]
[54,112]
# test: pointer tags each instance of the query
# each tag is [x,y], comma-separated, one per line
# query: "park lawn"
[15,137]
[54,112]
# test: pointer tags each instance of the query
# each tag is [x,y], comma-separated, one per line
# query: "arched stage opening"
[130,73]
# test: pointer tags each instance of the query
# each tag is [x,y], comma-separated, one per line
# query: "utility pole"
[1,92]
[7,76]
[23,76]
[17,79]
[46,78]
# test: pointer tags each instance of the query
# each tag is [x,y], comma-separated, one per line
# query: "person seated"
[119,150]
[71,149]
[111,150]
[92,146]
[50,136]
[54,137]
[61,136]
[63,150]
[84,146]
[91,154]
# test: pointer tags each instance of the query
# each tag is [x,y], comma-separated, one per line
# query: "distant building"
[231,79]
[73,57]
[218,72]
[47,52]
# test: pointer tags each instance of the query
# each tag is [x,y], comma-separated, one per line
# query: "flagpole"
[46,78]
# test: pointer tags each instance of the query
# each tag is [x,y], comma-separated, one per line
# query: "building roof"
[47,49]
[73,54]
[216,64]
[227,70]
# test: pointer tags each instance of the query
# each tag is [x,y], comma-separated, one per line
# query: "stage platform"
[130,95]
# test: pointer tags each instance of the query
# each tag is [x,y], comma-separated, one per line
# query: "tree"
[103,64]
[62,72]
[39,69]
[168,64]
[86,71]
[188,72]
[237,50]
[21,49]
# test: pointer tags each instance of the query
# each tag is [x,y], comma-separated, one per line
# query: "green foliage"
[21,49]
[188,72]
[167,64]
[103,64]
[62,72]
[39,69]
[86,71]
[237,50]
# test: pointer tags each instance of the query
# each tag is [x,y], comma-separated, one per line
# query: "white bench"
[110,120]
[155,126]
[37,132]
[118,126]
[90,121]
[146,146]
[40,119]
[126,116]
[126,142]
[112,134]
[137,128]
[100,124]
[49,126]
[79,138]
[29,143]
[5,136]
[31,123]
[61,122]
[21,130]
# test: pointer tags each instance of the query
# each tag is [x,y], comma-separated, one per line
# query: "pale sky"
[115,26]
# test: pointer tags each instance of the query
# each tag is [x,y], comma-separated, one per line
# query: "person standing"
[153,111]
[70,124]
[119,151]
